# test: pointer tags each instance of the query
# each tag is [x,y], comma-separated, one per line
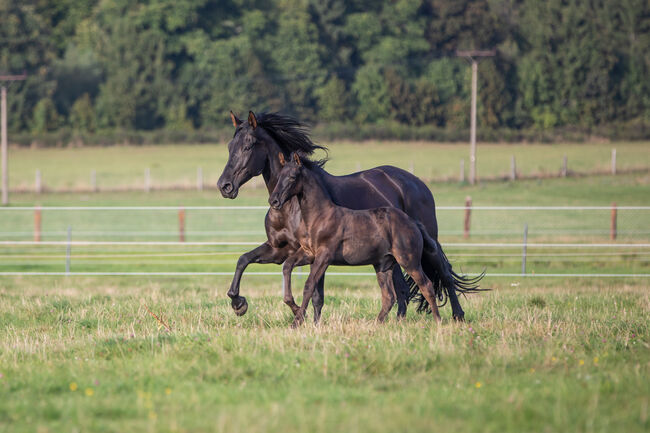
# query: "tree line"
[183,64]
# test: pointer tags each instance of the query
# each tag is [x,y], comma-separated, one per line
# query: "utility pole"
[474,57]
[3,133]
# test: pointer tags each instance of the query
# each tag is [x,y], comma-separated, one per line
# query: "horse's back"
[387,186]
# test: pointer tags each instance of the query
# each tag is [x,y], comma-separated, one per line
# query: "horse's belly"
[358,252]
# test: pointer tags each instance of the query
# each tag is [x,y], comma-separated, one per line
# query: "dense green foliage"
[182,64]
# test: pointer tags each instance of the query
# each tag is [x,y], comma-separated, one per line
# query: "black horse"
[253,151]
[382,237]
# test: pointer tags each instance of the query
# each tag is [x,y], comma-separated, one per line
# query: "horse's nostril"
[226,187]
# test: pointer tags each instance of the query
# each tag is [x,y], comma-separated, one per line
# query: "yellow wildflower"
[73,386]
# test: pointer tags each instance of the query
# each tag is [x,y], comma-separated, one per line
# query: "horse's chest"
[283,226]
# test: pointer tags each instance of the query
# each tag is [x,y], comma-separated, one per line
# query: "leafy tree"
[82,114]
[183,64]
[333,100]
[46,117]
[372,93]
[298,57]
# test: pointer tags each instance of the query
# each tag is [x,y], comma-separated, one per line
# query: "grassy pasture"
[83,354]
[123,166]
[537,354]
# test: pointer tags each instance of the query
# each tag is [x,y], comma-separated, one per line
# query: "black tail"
[437,267]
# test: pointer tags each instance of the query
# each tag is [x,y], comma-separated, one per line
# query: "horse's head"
[246,156]
[289,181]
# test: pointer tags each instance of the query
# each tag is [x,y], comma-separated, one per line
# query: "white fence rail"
[32,239]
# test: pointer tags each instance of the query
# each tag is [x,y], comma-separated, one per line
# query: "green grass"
[568,357]
[537,354]
[123,166]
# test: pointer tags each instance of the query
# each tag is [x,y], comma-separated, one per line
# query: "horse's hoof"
[240,305]
[297,321]
[459,318]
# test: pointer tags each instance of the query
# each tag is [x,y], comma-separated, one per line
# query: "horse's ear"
[296,159]
[252,120]
[282,161]
[235,121]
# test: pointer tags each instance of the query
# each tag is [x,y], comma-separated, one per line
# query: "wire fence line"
[246,222]
[95,258]
[279,274]
[560,241]
[227,208]
[241,243]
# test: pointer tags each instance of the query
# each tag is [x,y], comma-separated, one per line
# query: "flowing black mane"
[291,136]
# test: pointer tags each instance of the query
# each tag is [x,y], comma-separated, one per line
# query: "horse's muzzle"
[227,190]
[275,204]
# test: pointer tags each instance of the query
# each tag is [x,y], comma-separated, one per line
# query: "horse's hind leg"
[401,290]
[426,287]
[438,267]
[385,280]
[318,299]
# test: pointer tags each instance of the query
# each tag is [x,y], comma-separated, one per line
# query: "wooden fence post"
[181,225]
[68,250]
[614,161]
[38,186]
[93,180]
[37,224]
[468,212]
[612,229]
[513,168]
[564,166]
[147,179]
[199,178]
[524,252]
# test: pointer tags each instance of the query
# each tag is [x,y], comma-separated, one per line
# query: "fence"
[567,223]
[594,241]
[197,180]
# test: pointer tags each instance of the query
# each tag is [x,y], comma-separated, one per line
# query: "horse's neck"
[315,201]
[270,174]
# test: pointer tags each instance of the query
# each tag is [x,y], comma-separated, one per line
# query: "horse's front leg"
[265,253]
[321,262]
[299,258]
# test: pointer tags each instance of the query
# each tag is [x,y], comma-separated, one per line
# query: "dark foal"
[337,235]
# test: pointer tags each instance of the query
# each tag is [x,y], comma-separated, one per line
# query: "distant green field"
[123,166]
